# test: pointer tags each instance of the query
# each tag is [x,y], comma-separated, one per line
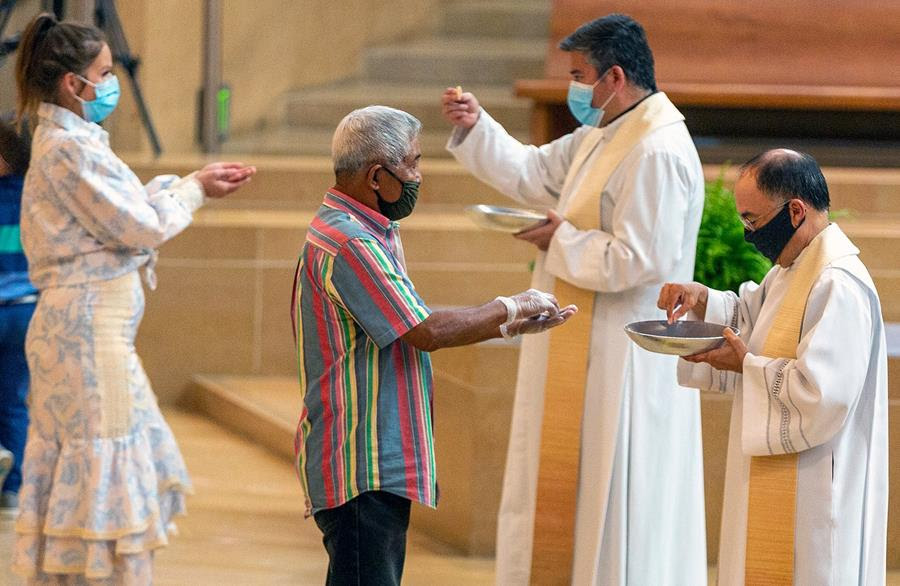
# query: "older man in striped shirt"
[364,441]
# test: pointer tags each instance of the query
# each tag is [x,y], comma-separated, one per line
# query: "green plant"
[724,258]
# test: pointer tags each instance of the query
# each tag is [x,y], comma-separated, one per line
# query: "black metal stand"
[107,18]
[7,45]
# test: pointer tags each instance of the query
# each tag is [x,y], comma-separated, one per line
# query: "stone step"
[285,182]
[316,141]
[300,181]
[455,262]
[876,236]
[453,61]
[324,107]
[432,239]
[887,282]
[508,19]
[262,409]
[471,451]
[859,190]
[878,240]
[226,281]
[828,152]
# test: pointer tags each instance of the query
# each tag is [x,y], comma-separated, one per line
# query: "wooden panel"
[768,42]
[742,95]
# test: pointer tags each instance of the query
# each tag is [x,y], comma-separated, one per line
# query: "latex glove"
[460,110]
[538,323]
[530,303]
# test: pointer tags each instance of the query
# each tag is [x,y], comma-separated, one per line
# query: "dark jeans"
[365,539]
[14,387]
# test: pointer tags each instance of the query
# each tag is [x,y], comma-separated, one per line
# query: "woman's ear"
[65,88]
[69,87]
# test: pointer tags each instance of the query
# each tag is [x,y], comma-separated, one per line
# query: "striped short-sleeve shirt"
[366,422]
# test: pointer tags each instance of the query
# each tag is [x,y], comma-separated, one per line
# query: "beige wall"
[23,12]
[270,46]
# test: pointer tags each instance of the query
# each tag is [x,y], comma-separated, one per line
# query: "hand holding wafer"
[460,108]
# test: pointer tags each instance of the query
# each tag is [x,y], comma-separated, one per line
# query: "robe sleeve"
[185,189]
[791,405]
[529,174]
[648,230]
[736,311]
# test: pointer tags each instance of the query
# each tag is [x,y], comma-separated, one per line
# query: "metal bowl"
[681,338]
[504,219]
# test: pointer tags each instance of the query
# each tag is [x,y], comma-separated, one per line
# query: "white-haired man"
[364,442]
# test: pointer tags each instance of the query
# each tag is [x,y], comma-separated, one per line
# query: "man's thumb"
[731,337]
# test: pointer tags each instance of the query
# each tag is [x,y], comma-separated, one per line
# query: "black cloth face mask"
[771,239]
[402,207]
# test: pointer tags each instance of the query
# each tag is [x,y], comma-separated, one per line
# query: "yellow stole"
[772,499]
[554,524]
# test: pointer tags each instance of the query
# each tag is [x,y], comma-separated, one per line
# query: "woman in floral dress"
[102,475]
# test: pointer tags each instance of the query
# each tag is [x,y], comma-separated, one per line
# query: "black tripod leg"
[145,113]
[108,19]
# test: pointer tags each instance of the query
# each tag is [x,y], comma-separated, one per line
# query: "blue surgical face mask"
[579,99]
[106,97]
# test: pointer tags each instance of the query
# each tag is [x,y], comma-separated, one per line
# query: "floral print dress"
[102,475]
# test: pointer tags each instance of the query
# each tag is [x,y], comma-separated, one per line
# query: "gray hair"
[375,134]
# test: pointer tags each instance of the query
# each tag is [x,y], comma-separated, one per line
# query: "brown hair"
[14,149]
[50,49]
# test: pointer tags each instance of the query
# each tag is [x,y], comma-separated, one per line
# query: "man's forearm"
[457,327]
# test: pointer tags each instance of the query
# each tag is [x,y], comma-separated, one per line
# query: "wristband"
[511,309]
[505,333]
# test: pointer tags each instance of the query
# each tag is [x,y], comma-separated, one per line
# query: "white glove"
[529,303]
[538,323]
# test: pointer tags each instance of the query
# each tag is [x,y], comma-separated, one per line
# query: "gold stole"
[554,523]
[773,479]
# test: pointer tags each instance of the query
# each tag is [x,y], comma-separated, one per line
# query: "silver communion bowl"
[504,219]
[681,338]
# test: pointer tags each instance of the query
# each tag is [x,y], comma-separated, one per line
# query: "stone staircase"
[482,46]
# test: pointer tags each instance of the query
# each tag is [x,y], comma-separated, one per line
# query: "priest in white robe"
[828,404]
[640,506]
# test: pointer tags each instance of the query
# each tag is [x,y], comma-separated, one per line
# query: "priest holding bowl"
[807,474]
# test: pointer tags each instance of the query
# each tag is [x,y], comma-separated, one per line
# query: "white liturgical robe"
[640,509]
[829,405]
